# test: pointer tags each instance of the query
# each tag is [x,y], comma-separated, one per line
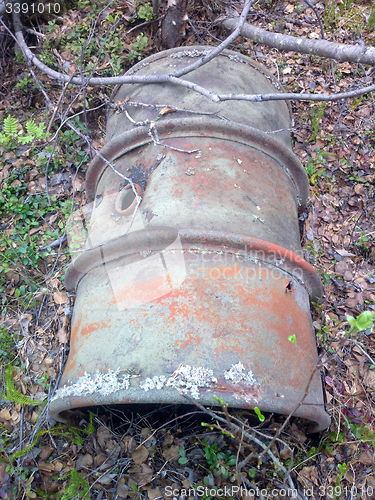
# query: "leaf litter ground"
[119,455]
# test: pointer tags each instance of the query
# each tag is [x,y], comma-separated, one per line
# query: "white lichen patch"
[185,379]
[153,383]
[103,383]
[237,374]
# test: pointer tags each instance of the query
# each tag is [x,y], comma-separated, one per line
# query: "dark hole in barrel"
[127,199]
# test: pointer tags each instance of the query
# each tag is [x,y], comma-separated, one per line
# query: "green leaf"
[365,320]
[25,139]
[31,127]
[292,338]
[252,473]
[351,321]
[260,416]
[10,125]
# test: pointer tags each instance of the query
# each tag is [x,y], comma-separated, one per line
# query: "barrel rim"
[217,241]
[200,127]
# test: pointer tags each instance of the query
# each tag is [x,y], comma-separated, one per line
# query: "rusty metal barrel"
[191,283]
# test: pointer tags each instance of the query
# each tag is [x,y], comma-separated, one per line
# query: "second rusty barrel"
[192,280]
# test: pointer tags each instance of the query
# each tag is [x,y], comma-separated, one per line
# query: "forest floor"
[113,455]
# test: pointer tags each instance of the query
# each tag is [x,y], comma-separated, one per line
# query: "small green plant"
[292,339]
[363,239]
[10,137]
[259,414]
[138,47]
[24,83]
[7,344]
[183,458]
[13,395]
[314,166]
[144,12]
[363,322]
[316,115]
[371,21]
[217,460]
[77,487]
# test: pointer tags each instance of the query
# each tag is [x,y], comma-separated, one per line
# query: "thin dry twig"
[160,78]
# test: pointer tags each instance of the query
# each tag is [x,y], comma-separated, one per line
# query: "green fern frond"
[78,486]
[13,395]
[40,133]
[10,125]
[31,128]
[3,138]
[25,139]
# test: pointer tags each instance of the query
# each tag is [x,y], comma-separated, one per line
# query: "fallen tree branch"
[339,51]
[190,85]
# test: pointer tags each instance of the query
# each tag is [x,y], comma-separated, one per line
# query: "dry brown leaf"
[60,297]
[103,436]
[122,490]
[168,439]
[154,493]
[128,445]
[58,466]
[171,452]
[366,458]
[62,335]
[3,466]
[145,476]
[369,379]
[140,455]
[4,173]
[99,460]
[309,476]
[165,111]
[46,466]
[107,478]
[297,433]
[5,414]
[84,462]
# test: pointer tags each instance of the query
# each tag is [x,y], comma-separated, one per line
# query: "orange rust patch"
[191,339]
[71,363]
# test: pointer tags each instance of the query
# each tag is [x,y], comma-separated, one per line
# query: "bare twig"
[335,51]
[332,50]
[153,133]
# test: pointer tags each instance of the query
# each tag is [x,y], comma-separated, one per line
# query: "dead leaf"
[168,439]
[165,111]
[46,466]
[84,462]
[297,433]
[24,321]
[60,297]
[5,414]
[107,478]
[145,476]
[103,436]
[309,476]
[171,453]
[3,466]
[366,458]
[154,493]
[140,455]
[122,490]
[62,335]
[369,379]
[128,445]
[345,253]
